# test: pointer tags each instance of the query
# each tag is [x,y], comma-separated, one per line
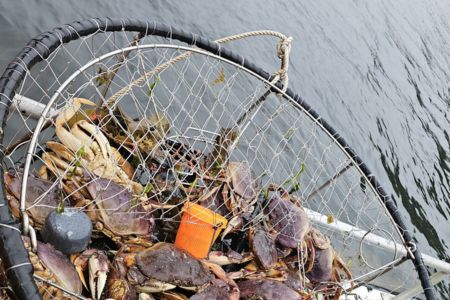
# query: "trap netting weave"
[137,130]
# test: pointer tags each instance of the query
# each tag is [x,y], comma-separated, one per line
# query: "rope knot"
[283,51]
[284,46]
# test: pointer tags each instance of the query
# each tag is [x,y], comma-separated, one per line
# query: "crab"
[267,289]
[117,213]
[147,133]
[84,149]
[161,268]
[216,160]
[288,218]
[239,190]
[118,286]
[327,266]
[153,270]
[243,193]
[98,266]
[50,264]
[263,247]
[221,287]
[233,180]
[42,197]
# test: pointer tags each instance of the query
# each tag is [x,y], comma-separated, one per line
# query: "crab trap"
[141,161]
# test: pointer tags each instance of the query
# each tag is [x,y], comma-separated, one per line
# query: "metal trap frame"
[279,132]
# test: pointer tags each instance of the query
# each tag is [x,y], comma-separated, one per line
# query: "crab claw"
[234,224]
[98,268]
[70,111]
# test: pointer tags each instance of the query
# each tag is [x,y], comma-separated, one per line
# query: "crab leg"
[234,224]
[102,147]
[61,150]
[67,137]
[339,264]
[311,253]
[123,163]
[220,273]
[221,259]
[58,166]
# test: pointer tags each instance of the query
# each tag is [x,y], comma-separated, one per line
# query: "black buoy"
[68,231]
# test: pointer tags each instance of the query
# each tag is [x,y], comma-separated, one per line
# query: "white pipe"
[374,239]
[30,107]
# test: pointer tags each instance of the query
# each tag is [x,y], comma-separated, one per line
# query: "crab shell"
[289,220]
[327,266]
[54,266]
[218,289]
[323,265]
[266,289]
[41,197]
[262,245]
[164,263]
[117,212]
[243,181]
[118,286]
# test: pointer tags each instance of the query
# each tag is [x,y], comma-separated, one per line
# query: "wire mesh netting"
[135,137]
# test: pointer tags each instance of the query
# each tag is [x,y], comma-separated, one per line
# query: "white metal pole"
[374,239]
[29,106]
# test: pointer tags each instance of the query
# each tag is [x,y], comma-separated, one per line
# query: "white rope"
[283,50]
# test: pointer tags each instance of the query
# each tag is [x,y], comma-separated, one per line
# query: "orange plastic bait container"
[198,230]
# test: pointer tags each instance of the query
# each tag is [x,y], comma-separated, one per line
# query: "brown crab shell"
[218,289]
[42,196]
[322,266]
[243,180]
[319,240]
[60,266]
[167,264]
[118,286]
[263,247]
[266,289]
[117,211]
[289,220]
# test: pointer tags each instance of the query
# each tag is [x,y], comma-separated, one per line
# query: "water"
[378,71]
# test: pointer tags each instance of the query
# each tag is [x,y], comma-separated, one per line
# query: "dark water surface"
[378,71]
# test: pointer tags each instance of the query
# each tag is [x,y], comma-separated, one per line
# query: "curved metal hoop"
[11,247]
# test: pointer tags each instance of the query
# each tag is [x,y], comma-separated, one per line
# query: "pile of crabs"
[132,182]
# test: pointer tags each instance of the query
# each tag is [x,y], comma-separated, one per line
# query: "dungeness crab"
[84,148]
